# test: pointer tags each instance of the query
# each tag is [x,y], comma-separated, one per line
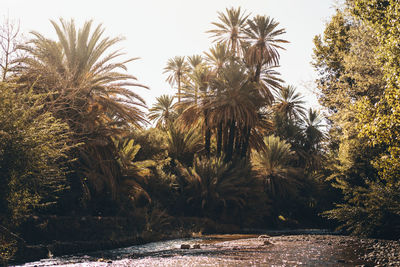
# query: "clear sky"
[156,30]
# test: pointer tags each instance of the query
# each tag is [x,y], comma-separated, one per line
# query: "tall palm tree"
[230,29]
[235,105]
[78,72]
[195,62]
[269,81]
[218,56]
[313,128]
[162,111]
[314,136]
[263,37]
[88,90]
[290,103]
[177,67]
[195,111]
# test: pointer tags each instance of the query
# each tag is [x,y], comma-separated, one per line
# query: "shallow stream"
[227,250]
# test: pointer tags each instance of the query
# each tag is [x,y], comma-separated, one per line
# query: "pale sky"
[156,30]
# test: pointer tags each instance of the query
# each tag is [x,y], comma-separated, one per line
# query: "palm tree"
[235,105]
[230,30]
[269,81]
[88,91]
[313,128]
[262,36]
[289,103]
[162,111]
[195,62]
[216,189]
[195,113]
[218,56]
[314,136]
[134,173]
[182,144]
[177,67]
[79,74]
[272,164]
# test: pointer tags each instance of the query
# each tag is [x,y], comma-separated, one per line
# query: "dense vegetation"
[359,84]
[235,145]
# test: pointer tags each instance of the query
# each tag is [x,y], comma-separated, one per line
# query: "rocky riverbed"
[245,250]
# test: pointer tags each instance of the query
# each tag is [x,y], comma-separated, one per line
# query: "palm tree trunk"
[208,142]
[258,73]
[207,137]
[245,144]
[219,139]
[179,89]
[238,142]
[259,66]
[229,149]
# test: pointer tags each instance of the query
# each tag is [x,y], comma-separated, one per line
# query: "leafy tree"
[9,41]
[355,86]
[381,118]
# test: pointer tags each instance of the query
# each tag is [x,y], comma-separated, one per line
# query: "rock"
[266,242]
[185,246]
[197,246]
[263,236]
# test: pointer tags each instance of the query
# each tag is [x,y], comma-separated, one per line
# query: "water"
[226,250]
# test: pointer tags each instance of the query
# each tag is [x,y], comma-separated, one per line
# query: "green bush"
[33,154]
